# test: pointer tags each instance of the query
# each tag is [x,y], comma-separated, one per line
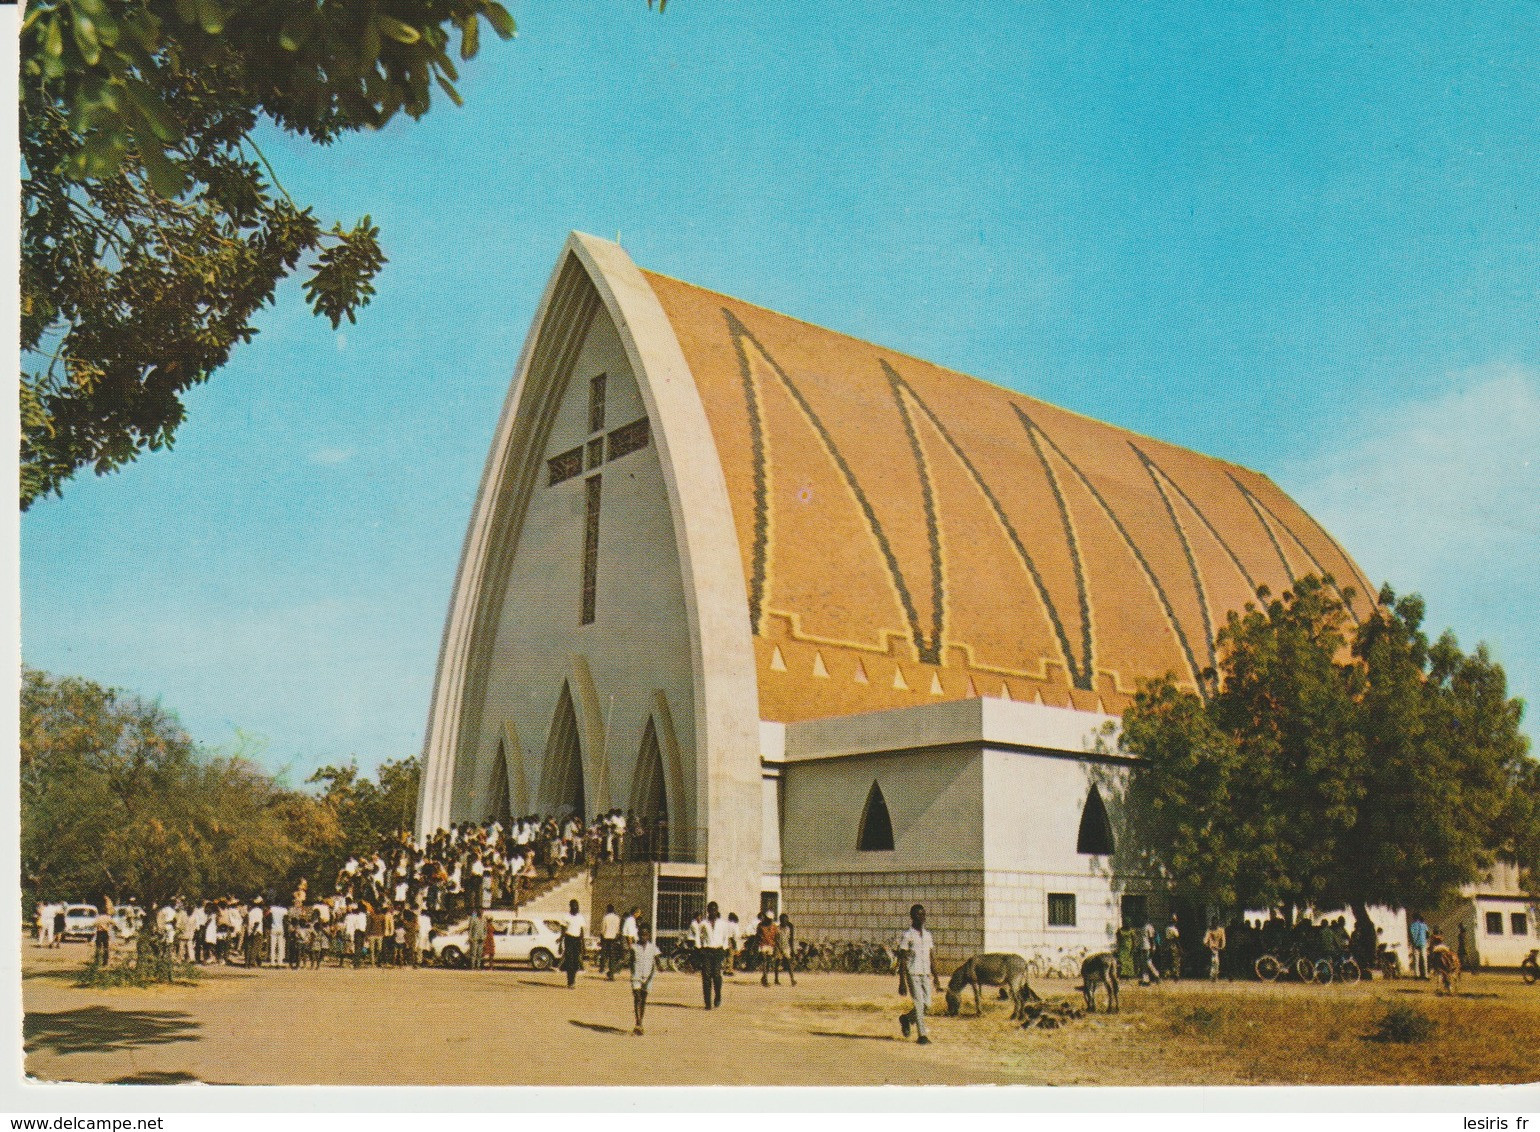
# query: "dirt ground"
[517,1027]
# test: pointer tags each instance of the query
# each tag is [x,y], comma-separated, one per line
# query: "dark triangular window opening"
[1095,828]
[561,778]
[502,801]
[876,827]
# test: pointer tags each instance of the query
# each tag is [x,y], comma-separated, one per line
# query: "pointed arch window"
[649,798]
[1095,827]
[502,798]
[561,776]
[876,834]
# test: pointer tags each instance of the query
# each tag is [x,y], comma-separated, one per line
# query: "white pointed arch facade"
[671,607]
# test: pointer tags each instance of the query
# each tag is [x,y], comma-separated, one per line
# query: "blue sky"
[1302,240]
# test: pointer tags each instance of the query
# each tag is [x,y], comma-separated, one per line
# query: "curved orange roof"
[910,533]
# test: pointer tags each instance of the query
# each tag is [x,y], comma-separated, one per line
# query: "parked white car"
[80,921]
[514,940]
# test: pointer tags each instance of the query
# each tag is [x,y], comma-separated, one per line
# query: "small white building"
[1498,917]
[853,624]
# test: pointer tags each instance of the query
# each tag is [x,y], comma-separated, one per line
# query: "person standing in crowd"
[1214,940]
[572,942]
[476,939]
[785,950]
[101,938]
[254,919]
[1417,936]
[609,941]
[277,942]
[917,960]
[58,924]
[713,941]
[764,939]
[358,933]
[210,934]
[1173,949]
[630,929]
[644,964]
[44,924]
[734,943]
[1150,972]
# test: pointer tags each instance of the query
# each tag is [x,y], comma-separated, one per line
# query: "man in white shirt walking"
[609,941]
[572,942]
[916,959]
[714,939]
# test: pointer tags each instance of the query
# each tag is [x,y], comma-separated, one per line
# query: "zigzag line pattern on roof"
[1192,562]
[929,651]
[1080,673]
[1149,573]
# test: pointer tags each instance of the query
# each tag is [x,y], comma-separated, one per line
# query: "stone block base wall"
[875,906]
[625,884]
[1016,912]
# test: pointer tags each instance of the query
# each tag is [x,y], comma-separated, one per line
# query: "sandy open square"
[517,1027]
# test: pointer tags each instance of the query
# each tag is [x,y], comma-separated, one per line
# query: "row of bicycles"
[1337,969]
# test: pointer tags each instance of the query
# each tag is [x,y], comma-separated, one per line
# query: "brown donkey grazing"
[994,969]
[1100,969]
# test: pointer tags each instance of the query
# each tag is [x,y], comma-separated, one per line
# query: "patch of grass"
[1202,1020]
[151,963]
[1405,1025]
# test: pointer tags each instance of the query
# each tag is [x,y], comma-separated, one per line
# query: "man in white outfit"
[915,949]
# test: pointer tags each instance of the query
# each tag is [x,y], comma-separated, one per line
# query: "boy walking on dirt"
[916,960]
[644,964]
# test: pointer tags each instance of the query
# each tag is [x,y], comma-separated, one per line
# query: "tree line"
[118,801]
[1326,764]
[1321,764]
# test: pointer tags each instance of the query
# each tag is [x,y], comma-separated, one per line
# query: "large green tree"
[1333,768]
[117,801]
[152,226]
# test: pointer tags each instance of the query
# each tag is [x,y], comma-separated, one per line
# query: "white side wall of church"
[933,798]
[638,641]
[1033,805]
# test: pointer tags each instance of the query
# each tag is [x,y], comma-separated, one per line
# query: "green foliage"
[365,812]
[1404,1025]
[151,234]
[1328,768]
[152,961]
[117,801]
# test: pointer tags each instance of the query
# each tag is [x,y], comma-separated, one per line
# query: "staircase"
[549,896]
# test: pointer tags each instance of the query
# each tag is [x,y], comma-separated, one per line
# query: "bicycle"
[1529,969]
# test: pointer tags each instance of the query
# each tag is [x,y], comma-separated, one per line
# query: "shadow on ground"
[100,1029]
[853,1037]
[156,1077]
[597,1027]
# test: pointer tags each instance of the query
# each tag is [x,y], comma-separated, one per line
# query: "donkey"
[1100,969]
[994,969]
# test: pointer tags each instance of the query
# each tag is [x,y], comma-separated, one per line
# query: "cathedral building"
[860,628]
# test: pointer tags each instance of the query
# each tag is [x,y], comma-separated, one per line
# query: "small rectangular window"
[1520,923]
[1061,909]
[680,900]
[1494,923]
[567,465]
[590,551]
[596,403]
[629,438]
[595,452]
